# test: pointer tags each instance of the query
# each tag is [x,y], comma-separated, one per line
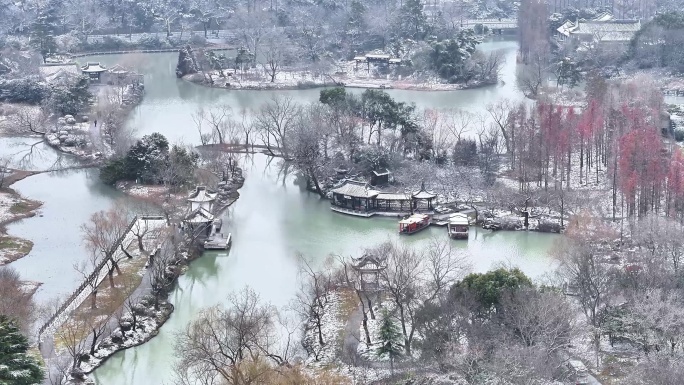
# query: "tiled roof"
[356,189]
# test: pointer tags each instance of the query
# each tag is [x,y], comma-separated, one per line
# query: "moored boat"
[458,226]
[414,223]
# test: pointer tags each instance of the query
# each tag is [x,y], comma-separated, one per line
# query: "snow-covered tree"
[16,366]
[389,338]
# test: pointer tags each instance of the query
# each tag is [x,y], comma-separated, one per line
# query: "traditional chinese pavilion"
[94,70]
[200,215]
[368,268]
[358,198]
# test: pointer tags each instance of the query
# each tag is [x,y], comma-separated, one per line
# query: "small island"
[448,64]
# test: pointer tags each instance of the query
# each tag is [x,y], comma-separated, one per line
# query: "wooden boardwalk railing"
[98,275]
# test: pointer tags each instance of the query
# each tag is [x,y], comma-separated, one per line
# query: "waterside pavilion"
[94,71]
[200,217]
[358,198]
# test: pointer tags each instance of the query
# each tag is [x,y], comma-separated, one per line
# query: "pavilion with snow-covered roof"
[202,198]
[358,198]
[94,70]
[368,268]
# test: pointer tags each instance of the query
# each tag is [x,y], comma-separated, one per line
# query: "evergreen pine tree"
[44,29]
[389,338]
[16,367]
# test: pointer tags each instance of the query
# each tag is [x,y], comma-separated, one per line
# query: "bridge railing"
[93,279]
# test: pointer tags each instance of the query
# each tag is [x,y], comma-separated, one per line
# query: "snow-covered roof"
[369,262]
[381,173]
[602,31]
[201,194]
[605,16]
[93,67]
[356,189]
[393,197]
[378,56]
[458,219]
[423,194]
[567,28]
[200,215]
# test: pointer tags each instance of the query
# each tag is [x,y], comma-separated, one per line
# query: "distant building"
[603,30]
[376,58]
[379,178]
[94,71]
[55,74]
[119,76]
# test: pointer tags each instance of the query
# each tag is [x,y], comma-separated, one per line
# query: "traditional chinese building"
[368,268]
[200,217]
[94,71]
[358,198]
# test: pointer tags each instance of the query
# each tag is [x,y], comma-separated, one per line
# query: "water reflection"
[32,153]
[69,199]
[271,223]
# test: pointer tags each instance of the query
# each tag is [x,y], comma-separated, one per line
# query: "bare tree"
[443,267]
[592,279]
[530,77]
[401,280]
[70,335]
[274,121]
[312,300]
[29,120]
[543,319]
[199,117]
[162,263]
[101,235]
[217,345]
[15,302]
[306,140]
[500,113]
[275,55]
[86,268]
[5,170]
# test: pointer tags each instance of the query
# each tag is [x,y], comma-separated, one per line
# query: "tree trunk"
[93,299]
[316,184]
[370,308]
[110,275]
[128,255]
[365,328]
[141,246]
[320,333]
[92,344]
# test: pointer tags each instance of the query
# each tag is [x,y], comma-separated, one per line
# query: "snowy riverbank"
[305,79]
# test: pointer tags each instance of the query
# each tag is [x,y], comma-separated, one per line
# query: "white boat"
[458,226]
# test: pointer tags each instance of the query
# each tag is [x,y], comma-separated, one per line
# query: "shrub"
[29,90]
[548,226]
[198,40]
[114,170]
[679,132]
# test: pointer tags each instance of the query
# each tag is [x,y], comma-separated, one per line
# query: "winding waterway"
[272,222]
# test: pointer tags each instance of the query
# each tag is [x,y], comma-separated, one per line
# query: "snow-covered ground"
[146,327]
[332,329]
[12,248]
[346,72]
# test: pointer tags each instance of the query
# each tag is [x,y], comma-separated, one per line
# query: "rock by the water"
[187,62]
[53,140]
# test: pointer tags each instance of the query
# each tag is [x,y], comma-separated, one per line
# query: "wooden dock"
[218,241]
